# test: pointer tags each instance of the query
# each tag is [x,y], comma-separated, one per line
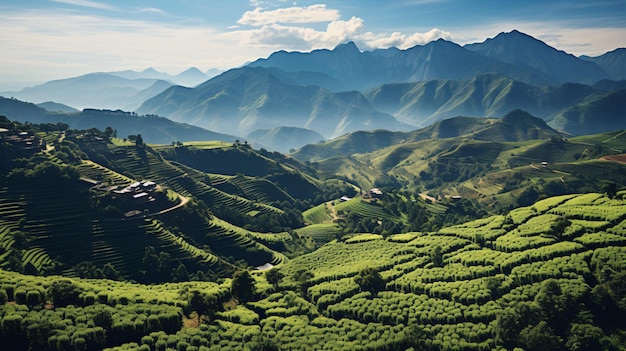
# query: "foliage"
[370,280]
[64,292]
[243,286]
[274,276]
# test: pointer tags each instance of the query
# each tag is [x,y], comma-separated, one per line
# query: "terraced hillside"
[546,276]
[501,175]
[453,289]
[81,222]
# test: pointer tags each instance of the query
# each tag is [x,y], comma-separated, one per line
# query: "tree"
[261,343]
[370,280]
[110,272]
[436,256]
[584,337]
[302,277]
[416,338]
[203,304]
[610,189]
[274,276]
[64,292]
[539,338]
[243,286]
[103,317]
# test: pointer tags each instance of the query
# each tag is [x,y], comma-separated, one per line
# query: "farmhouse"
[139,192]
[21,140]
[375,193]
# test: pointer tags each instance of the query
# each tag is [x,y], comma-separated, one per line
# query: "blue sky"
[50,39]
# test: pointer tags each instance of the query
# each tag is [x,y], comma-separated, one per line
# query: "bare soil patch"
[621,158]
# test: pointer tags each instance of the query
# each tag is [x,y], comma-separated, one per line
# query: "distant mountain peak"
[190,71]
[347,47]
[517,114]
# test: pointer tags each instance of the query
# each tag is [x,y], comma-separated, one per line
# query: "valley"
[439,197]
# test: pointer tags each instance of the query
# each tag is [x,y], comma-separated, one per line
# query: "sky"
[43,40]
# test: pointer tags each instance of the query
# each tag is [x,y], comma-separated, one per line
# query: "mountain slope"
[154,129]
[613,62]
[283,139]
[523,50]
[596,114]
[516,125]
[52,106]
[94,90]
[488,95]
[242,100]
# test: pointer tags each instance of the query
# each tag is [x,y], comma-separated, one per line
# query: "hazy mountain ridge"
[52,106]
[94,90]
[613,62]
[516,125]
[440,59]
[242,100]
[407,88]
[109,90]
[283,139]
[154,129]
[596,114]
[489,95]
[417,86]
[523,50]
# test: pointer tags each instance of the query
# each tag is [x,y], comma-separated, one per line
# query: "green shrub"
[20,296]
[80,344]
[160,345]
[33,298]
[4,297]
[64,292]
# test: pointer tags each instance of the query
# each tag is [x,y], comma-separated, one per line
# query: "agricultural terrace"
[446,290]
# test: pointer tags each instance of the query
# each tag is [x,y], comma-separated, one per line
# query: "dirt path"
[428,197]
[333,211]
[183,202]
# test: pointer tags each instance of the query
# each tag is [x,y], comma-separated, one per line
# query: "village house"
[375,193]
[139,192]
[22,140]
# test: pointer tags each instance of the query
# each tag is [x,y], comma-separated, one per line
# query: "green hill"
[548,274]
[75,212]
[516,125]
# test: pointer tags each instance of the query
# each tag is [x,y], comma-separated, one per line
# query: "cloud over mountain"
[309,14]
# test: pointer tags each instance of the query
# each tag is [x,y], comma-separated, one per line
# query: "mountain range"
[343,90]
[154,129]
[109,90]
[418,86]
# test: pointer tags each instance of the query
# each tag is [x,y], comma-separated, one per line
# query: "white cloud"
[401,40]
[303,38]
[310,14]
[152,10]
[42,45]
[87,3]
